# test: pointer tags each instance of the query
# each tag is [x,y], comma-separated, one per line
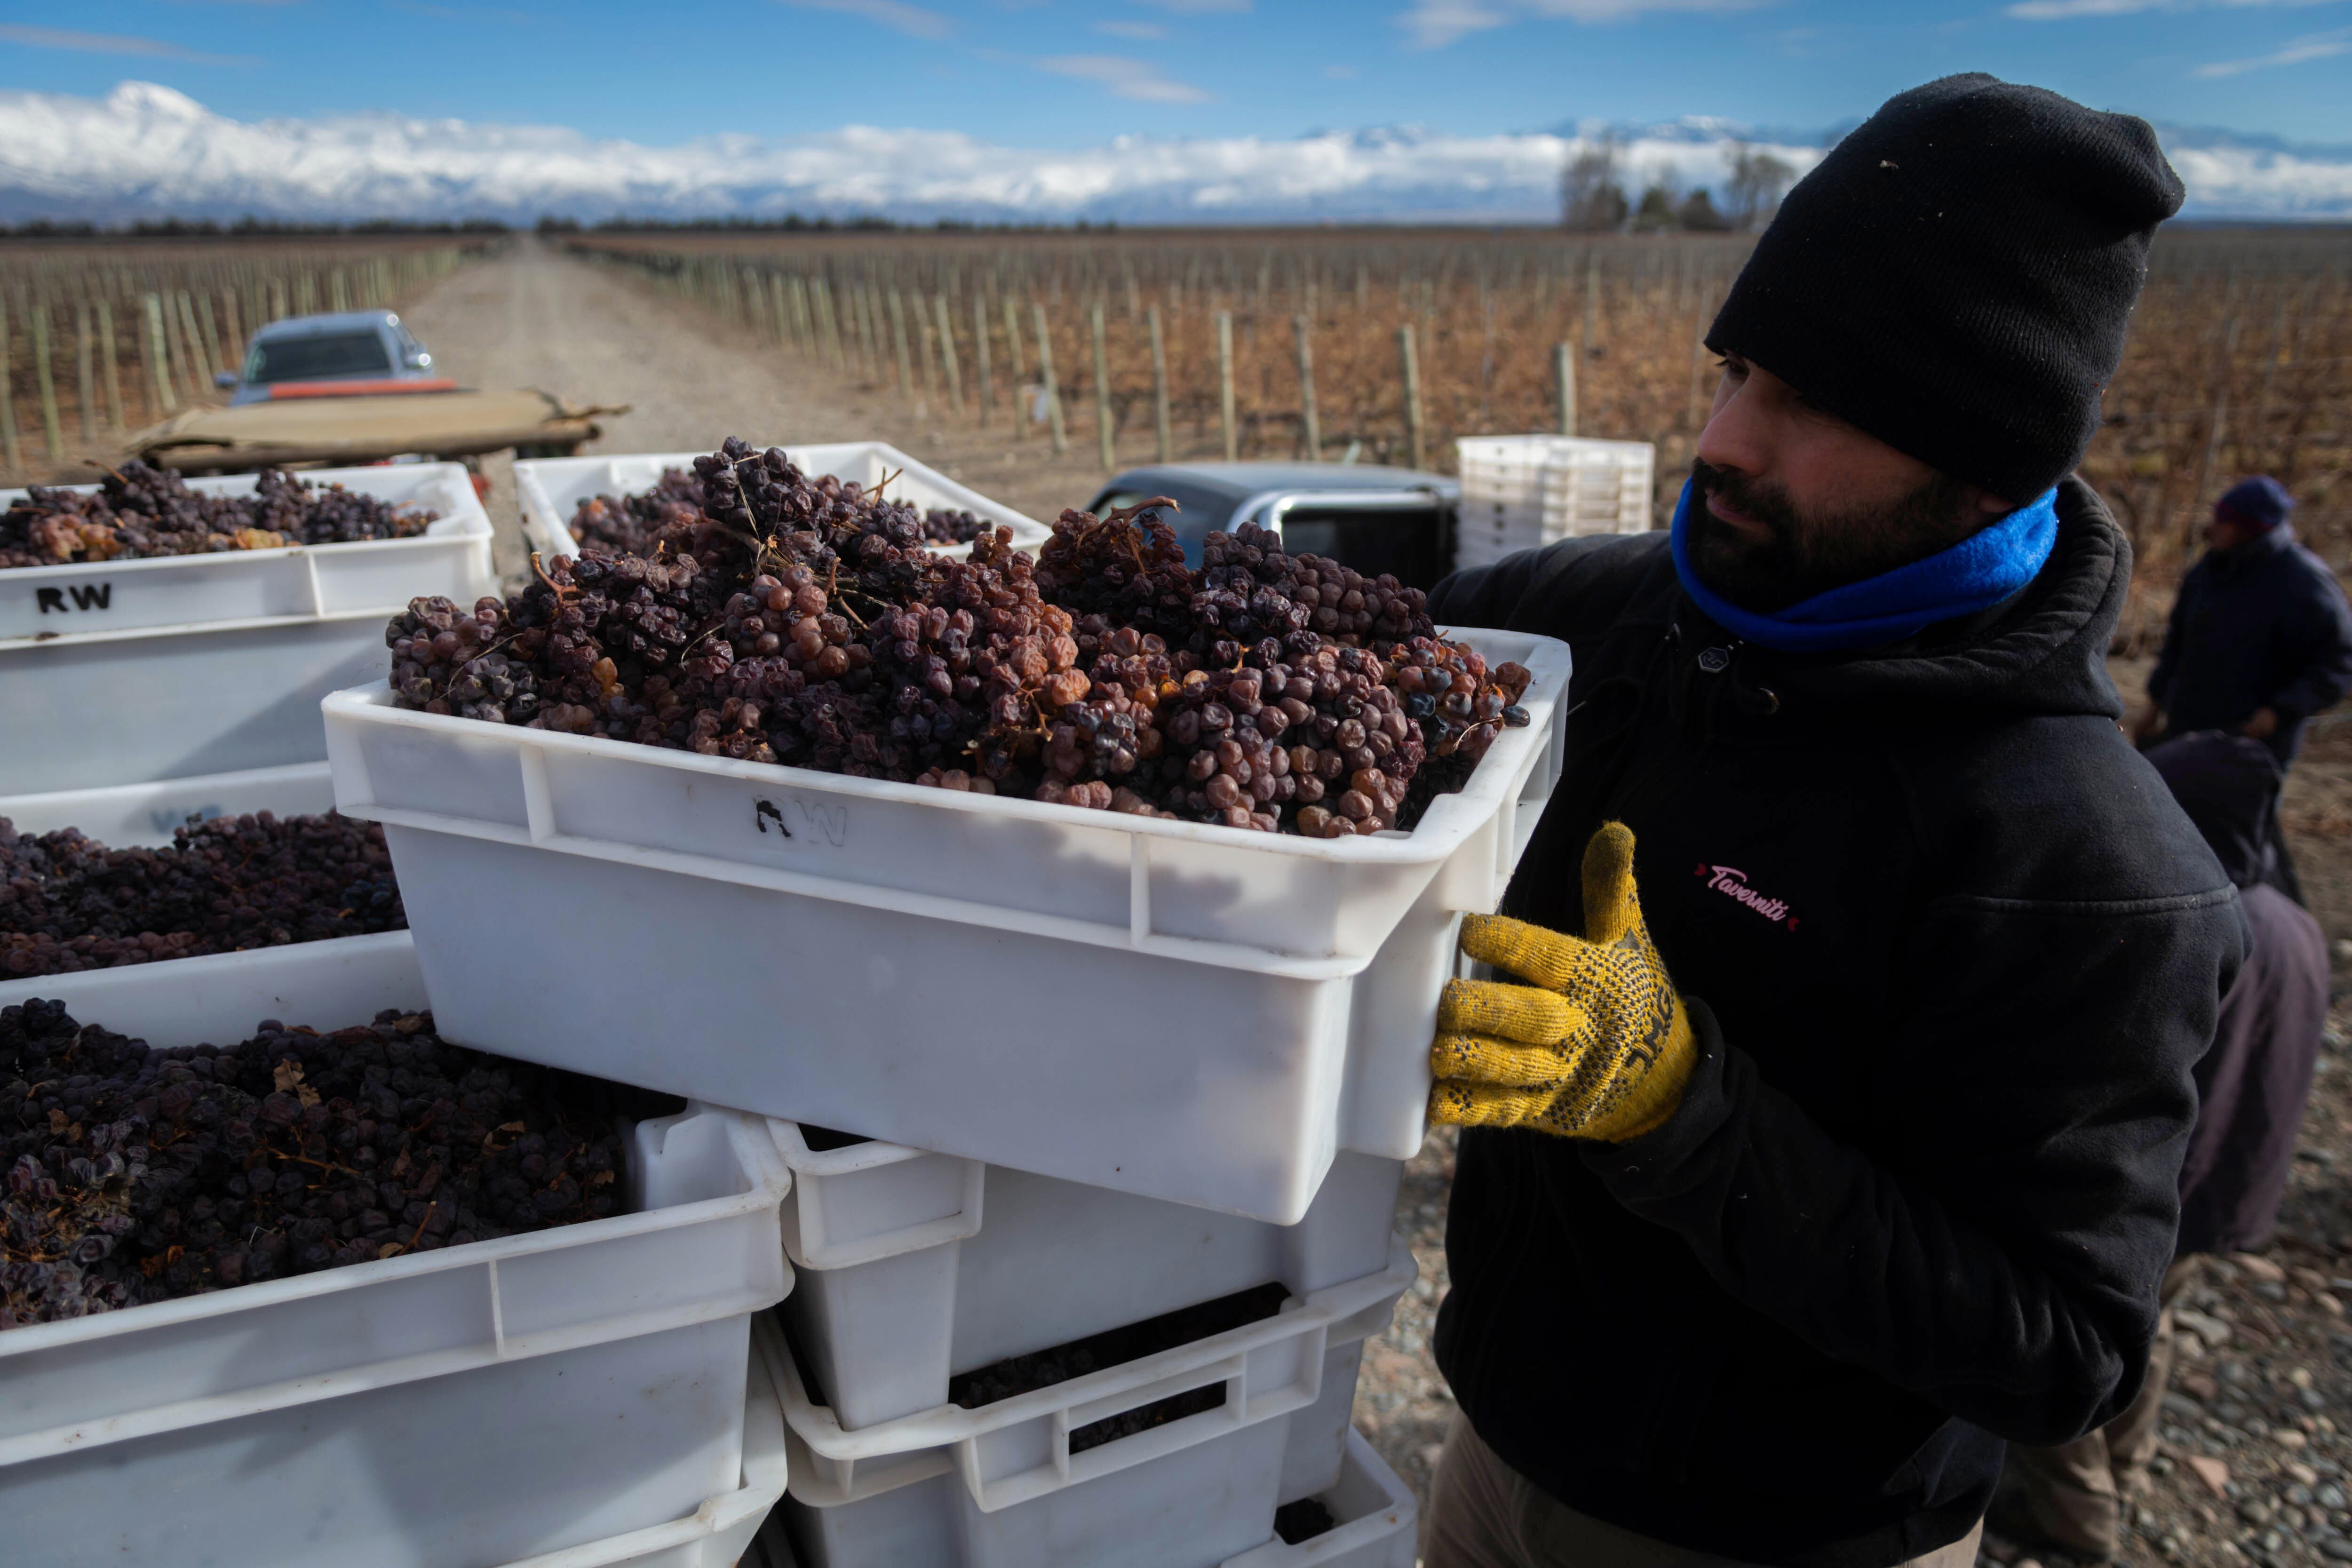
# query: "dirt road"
[537,318]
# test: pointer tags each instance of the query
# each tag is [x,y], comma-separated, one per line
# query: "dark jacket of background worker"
[2250,1087]
[2260,639]
[1763,1262]
[2253,1085]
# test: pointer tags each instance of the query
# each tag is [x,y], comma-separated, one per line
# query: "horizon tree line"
[1594,200]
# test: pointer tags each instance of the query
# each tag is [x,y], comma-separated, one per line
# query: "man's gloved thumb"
[1612,904]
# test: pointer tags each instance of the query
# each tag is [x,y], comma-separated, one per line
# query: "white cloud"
[144,151]
[1435,24]
[912,20]
[109,44]
[2232,179]
[2068,10]
[2315,46]
[2063,10]
[1126,77]
[1142,32]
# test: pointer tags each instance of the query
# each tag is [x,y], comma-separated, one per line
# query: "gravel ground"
[2256,1444]
[2257,1428]
[2258,1433]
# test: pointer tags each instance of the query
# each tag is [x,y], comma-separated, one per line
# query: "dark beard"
[1803,556]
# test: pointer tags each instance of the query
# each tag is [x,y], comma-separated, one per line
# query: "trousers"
[2073,1495]
[1484,1514]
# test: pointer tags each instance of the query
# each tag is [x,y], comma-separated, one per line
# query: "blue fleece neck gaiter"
[1976,573]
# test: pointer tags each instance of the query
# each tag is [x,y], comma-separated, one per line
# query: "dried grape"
[140,511]
[942,526]
[69,903]
[629,525]
[782,618]
[130,1174]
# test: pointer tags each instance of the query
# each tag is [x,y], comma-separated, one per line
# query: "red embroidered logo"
[1732,883]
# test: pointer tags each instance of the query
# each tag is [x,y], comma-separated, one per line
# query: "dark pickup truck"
[1373,518]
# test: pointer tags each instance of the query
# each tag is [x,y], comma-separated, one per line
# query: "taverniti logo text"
[1732,882]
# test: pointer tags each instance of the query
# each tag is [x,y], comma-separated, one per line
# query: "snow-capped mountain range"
[147,151]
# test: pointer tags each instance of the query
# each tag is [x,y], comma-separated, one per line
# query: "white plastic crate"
[912,1266]
[194,665]
[998,1486]
[722,1533]
[551,489]
[452,556]
[448,1409]
[111,707]
[218,997]
[1504,471]
[1374,1521]
[124,815]
[1597,486]
[1232,1008]
[1519,491]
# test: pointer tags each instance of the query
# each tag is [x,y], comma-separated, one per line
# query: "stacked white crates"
[1131,1066]
[1091,1068]
[196,678]
[1519,492]
[913,1269]
[596,1395]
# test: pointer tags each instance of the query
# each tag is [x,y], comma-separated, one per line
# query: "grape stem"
[562,595]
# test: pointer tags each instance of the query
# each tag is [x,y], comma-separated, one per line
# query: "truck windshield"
[317,358]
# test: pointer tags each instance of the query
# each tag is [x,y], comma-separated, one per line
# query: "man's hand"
[2149,725]
[2262,726]
[1599,1046]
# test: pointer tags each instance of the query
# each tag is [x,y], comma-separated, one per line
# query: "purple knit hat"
[2261,503]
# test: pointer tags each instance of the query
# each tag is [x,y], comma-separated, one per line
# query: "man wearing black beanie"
[1824,1116]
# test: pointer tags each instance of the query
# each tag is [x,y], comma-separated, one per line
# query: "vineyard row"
[2240,358]
[93,346]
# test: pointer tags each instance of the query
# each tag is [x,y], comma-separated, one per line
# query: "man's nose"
[1738,435]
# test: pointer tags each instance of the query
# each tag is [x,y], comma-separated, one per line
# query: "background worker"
[1824,1121]
[2250,1091]
[2260,640]
[2260,637]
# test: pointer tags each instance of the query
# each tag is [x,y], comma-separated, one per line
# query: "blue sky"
[1061,73]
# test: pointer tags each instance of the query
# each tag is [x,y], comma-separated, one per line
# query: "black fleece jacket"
[1951,951]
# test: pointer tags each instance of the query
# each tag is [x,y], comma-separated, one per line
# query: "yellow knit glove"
[1599,1046]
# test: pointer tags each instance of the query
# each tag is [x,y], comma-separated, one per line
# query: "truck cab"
[1373,518]
[343,354]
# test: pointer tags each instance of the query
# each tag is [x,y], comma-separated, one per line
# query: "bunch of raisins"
[131,1176]
[69,903]
[139,511]
[788,619]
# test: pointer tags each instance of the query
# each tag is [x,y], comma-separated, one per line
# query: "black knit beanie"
[1955,277]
